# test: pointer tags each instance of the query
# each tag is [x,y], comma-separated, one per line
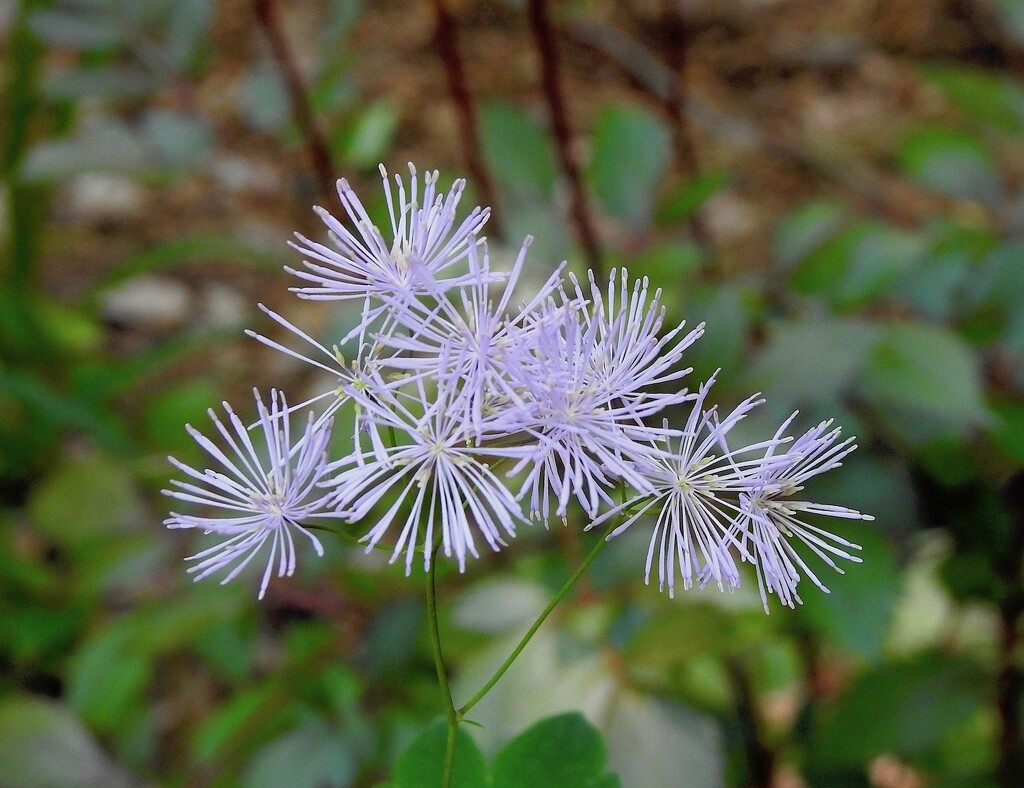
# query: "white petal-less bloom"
[629,355]
[771,521]
[587,374]
[473,326]
[425,243]
[695,483]
[261,494]
[436,465]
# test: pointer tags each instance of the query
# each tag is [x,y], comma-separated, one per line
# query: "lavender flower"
[770,521]
[261,494]
[423,246]
[469,326]
[692,481]
[450,377]
[586,376]
[437,462]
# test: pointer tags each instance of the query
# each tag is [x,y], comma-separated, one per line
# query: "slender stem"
[1010,679]
[451,714]
[540,620]
[760,758]
[298,96]
[544,38]
[446,37]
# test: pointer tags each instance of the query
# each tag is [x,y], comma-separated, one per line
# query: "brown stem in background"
[760,759]
[676,51]
[323,169]
[1010,681]
[446,36]
[877,191]
[546,49]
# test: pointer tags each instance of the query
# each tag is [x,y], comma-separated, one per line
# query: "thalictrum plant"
[477,414]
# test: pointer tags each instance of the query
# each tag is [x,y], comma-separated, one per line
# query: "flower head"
[587,376]
[770,521]
[425,242]
[260,493]
[694,481]
[436,464]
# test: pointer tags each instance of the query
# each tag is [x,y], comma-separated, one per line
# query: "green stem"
[540,620]
[442,675]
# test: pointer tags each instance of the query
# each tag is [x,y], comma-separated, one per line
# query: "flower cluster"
[478,410]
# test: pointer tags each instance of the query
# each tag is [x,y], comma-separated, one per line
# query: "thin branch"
[1010,681]
[446,37]
[760,759]
[544,39]
[298,97]
[878,191]
[677,52]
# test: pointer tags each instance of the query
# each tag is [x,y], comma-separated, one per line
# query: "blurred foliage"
[887,290]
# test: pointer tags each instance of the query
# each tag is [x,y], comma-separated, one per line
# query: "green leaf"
[1007,430]
[264,99]
[1011,14]
[904,708]
[100,82]
[857,612]
[805,229]
[165,416]
[879,259]
[811,360]
[518,152]
[84,499]
[682,633]
[934,286]
[107,679]
[992,97]
[393,635]
[655,742]
[366,140]
[37,633]
[315,755]
[499,604]
[246,713]
[952,163]
[860,263]
[188,23]
[50,406]
[630,157]
[79,29]
[109,673]
[182,139]
[727,311]
[690,196]
[564,751]
[42,744]
[422,763]
[920,373]
[104,144]
[670,266]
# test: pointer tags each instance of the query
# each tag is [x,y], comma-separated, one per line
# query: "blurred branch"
[298,97]
[27,205]
[1010,681]
[891,196]
[760,759]
[677,51]
[446,36]
[677,35]
[544,39]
